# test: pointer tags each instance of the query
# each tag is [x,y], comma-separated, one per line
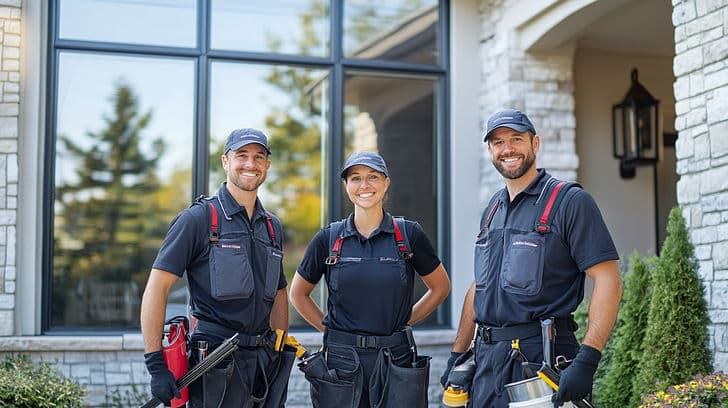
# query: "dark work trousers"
[340,357]
[495,368]
[239,381]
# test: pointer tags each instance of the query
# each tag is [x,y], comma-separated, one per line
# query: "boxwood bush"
[28,384]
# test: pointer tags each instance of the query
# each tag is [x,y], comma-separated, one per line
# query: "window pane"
[396,117]
[397,30]
[280,26]
[123,170]
[290,105]
[151,22]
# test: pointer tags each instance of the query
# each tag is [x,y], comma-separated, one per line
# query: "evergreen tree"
[617,387]
[105,219]
[675,344]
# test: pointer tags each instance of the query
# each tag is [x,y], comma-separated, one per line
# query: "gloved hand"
[450,361]
[577,379]
[163,384]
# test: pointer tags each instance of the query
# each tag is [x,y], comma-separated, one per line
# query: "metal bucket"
[528,389]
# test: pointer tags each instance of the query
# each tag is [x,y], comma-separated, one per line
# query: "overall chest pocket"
[344,265]
[231,276]
[522,271]
[483,249]
[273,272]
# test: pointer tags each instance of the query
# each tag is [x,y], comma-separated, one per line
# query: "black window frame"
[337,66]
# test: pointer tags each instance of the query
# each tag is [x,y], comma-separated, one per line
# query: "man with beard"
[230,247]
[538,241]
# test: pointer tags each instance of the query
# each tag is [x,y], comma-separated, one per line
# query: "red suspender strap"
[213,223]
[398,237]
[490,214]
[333,258]
[271,231]
[542,225]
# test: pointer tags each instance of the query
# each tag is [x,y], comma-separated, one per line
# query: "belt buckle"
[485,333]
[366,341]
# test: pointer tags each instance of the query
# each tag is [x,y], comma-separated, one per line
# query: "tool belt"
[266,338]
[361,341]
[489,334]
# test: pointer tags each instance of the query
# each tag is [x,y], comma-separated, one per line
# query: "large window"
[144,92]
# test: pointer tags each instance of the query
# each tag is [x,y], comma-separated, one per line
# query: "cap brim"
[242,143]
[375,168]
[517,127]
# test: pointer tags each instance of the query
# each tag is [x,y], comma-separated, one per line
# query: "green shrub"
[617,390]
[675,345]
[701,392]
[28,384]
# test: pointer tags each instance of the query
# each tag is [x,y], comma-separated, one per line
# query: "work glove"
[577,379]
[163,384]
[450,361]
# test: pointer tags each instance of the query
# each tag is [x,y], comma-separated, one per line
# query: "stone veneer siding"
[542,86]
[701,96]
[9,112]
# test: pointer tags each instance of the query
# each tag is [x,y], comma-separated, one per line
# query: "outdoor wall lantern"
[635,130]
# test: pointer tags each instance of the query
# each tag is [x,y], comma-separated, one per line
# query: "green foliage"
[25,384]
[675,344]
[129,397]
[617,389]
[581,316]
[701,392]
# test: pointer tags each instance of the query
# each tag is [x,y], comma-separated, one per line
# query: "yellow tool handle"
[548,380]
[280,340]
[301,351]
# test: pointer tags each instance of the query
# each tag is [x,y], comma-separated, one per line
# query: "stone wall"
[540,85]
[10,37]
[701,95]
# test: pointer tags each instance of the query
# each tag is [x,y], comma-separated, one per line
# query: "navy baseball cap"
[369,159]
[510,118]
[241,137]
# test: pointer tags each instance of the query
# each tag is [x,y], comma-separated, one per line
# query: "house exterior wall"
[10,39]
[701,107]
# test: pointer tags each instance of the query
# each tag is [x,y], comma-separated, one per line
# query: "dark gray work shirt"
[371,287]
[522,275]
[232,282]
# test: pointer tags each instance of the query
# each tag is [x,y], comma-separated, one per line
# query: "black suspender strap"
[400,238]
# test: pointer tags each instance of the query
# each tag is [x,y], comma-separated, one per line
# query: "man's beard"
[249,185]
[528,161]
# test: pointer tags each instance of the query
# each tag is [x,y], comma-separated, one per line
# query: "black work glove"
[450,361]
[577,379]
[163,385]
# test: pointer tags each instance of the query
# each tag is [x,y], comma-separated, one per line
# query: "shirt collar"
[231,207]
[386,226]
[535,188]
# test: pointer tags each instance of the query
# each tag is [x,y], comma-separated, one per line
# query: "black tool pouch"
[333,388]
[278,378]
[394,386]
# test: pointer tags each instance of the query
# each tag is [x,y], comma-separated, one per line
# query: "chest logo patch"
[230,246]
[525,243]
